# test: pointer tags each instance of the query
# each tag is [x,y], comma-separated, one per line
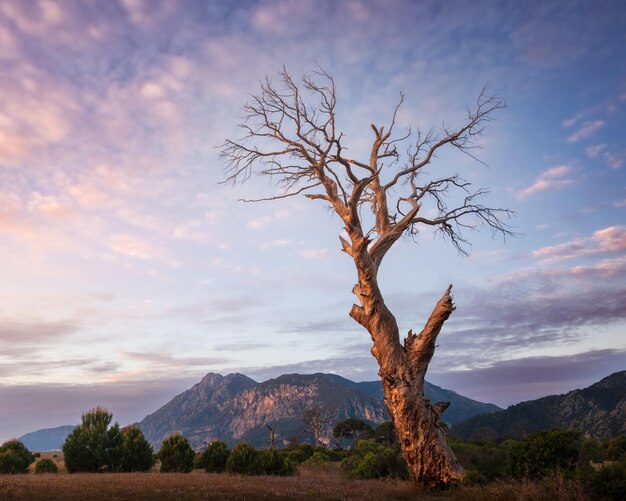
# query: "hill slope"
[234,407]
[599,410]
[49,439]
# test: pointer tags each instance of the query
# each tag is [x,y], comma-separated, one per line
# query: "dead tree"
[316,419]
[290,134]
[272,436]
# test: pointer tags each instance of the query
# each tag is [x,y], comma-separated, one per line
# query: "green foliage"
[349,429]
[298,453]
[94,446]
[543,452]
[609,484]
[176,455]
[483,461]
[246,460]
[198,464]
[384,433]
[214,457]
[614,449]
[15,457]
[318,458]
[272,462]
[243,460]
[137,452]
[46,466]
[369,459]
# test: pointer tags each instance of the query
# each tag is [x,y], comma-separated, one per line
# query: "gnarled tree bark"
[298,144]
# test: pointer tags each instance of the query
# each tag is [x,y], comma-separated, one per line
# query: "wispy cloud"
[315,253]
[595,150]
[588,129]
[553,178]
[605,241]
[129,245]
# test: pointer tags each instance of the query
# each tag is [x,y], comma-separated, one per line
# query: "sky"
[128,270]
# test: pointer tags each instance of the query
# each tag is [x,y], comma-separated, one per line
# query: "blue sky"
[128,272]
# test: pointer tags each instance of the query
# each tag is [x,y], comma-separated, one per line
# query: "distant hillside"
[49,439]
[234,407]
[599,411]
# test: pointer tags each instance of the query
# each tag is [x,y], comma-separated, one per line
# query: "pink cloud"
[606,241]
[131,246]
[553,178]
[586,130]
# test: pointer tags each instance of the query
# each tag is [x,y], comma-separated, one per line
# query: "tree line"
[363,452]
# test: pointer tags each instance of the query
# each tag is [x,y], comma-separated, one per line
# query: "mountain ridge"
[280,403]
[598,410]
[235,407]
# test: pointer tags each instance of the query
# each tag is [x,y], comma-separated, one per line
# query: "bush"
[544,452]
[94,446]
[176,455]
[318,458]
[609,484]
[137,452]
[298,453]
[214,457]
[272,462]
[46,466]
[243,460]
[368,459]
[483,461]
[15,457]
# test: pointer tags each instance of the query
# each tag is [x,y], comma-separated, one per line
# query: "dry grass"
[310,484]
[197,485]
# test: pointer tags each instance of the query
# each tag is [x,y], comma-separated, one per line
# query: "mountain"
[49,439]
[235,408]
[599,411]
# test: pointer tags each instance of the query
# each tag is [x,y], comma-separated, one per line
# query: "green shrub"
[318,458]
[544,452]
[609,484]
[137,452]
[46,466]
[298,453]
[369,459]
[15,457]
[198,464]
[485,461]
[94,446]
[272,462]
[214,457]
[176,455]
[243,460]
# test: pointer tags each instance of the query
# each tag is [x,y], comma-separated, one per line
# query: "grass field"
[310,484]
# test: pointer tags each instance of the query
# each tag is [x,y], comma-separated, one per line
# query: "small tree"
[137,452]
[176,455]
[46,465]
[350,429]
[94,445]
[215,456]
[291,134]
[243,460]
[15,457]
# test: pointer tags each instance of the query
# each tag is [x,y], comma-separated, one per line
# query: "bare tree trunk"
[272,436]
[402,369]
